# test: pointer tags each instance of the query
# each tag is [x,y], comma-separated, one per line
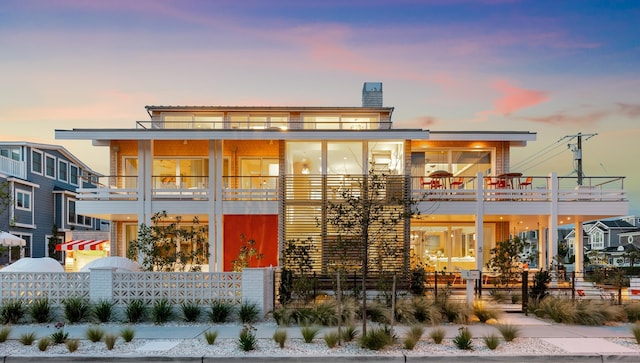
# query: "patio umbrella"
[9,240]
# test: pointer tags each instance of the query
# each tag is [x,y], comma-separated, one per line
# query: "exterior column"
[211,210]
[542,248]
[145,185]
[578,247]
[216,186]
[479,227]
[552,232]
[257,288]
[101,283]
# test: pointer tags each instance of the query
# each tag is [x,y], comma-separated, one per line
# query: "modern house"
[41,181]
[268,173]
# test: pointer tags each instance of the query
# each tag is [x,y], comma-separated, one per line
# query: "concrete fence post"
[101,283]
[257,288]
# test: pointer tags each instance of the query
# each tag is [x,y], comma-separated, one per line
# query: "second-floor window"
[74,218]
[597,240]
[50,166]
[23,200]
[36,162]
[73,175]
[63,172]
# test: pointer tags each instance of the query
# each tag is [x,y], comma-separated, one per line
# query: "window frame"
[63,176]
[77,176]
[48,157]
[19,196]
[41,171]
[596,239]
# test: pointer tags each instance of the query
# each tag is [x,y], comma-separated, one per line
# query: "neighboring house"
[612,238]
[268,173]
[42,180]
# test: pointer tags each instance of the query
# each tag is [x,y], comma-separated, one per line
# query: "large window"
[340,122]
[23,200]
[36,162]
[180,173]
[50,166]
[12,153]
[74,171]
[250,121]
[258,173]
[597,240]
[459,162]
[78,219]
[192,121]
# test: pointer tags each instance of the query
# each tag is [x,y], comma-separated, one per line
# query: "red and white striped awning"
[83,245]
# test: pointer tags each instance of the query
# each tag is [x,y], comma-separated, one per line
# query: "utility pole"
[577,153]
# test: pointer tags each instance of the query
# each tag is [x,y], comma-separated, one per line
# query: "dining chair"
[490,182]
[526,183]
[457,183]
[424,183]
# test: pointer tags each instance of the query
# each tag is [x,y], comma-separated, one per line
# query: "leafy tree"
[539,288]
[167,245]
[507,259]
[371,217]
[5,197]
[247,252]
[297,262]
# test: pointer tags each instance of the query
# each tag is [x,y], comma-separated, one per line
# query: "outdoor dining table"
[440,179]
[509,180]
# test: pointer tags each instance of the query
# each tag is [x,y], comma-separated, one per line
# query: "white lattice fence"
[56,286]
[197,287]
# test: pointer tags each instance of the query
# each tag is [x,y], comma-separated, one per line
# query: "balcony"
[263,125]
[13,168]
[309,188]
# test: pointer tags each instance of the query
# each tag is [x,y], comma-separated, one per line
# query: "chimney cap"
[372,87]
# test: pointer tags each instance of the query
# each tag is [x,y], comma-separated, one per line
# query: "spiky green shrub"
[76,309]
[633,312]
[135,311]
[463,340]
[248,313]
[247,340]
[94,333]
[455,312]
[59,336]
[303,316]
[405,311]
[309,333]
[72,345]
[40,310]
[103,310]
[12,311]
[127,334]
[437,335]
[635,330]
[326,313]
[413,336]
[598,313]
[44,343]
[509,332]
[190,311]
[161,311]
[557,309]
[331,338]
[349,333]
[220,311]
[378,313]
[210,336]
[491,341]
[5,331]
[282,315]
[110,341]
[426,311]
[483,312]
[27,338]
[280,337]
[376,339]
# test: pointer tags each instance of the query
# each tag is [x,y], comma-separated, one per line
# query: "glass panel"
[281,122]
[258,122]
[304,158]
[386,156]
[177,121]
[239,122]
[470,162]
[321,122]
[436,160]
[208,122]
[344,158]
[357,122]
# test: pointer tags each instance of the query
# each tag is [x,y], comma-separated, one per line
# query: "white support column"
[145,185]
[217,186]
[579,246]
[211,207]
[479,227]
[101,283]
[542,248]
[257,288]
[552,232]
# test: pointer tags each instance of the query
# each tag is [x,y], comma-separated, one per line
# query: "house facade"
[41,180]
[267,174]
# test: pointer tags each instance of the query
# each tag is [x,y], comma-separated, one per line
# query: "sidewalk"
[576,344]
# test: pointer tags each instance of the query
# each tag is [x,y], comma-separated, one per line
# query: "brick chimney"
[372,94]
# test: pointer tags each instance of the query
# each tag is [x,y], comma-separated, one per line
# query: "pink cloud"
[629,110]
[562,118]
[422,122]
[513,99]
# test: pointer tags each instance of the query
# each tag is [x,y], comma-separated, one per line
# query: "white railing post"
[101,283]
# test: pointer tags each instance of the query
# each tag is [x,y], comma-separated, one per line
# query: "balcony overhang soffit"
[105,135]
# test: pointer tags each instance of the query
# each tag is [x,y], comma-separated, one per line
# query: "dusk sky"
[556,68]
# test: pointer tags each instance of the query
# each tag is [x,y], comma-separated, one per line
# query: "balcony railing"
[12,167]
[263,125]
[310,187]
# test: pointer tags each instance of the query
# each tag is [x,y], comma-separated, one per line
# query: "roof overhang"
[515,138]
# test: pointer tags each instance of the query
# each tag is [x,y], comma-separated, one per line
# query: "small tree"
[167,245]
[297,266]
[247,252]
[370,217]
[507,259]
